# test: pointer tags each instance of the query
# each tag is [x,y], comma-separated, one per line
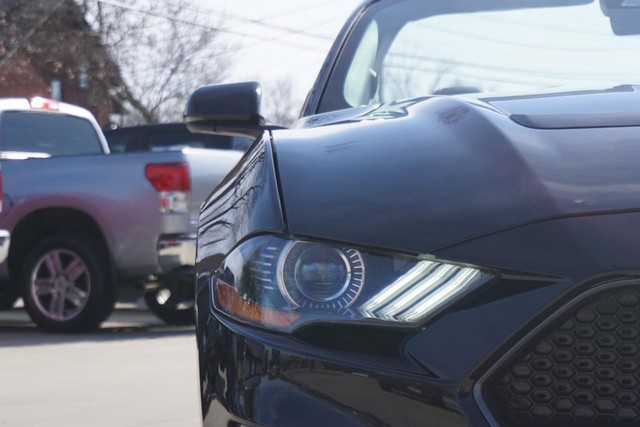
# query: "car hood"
[618,106]
[422,175]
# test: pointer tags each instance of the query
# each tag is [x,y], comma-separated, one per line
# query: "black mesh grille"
[584,372]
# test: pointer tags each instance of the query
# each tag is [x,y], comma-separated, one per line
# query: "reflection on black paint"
[269,385]
[391,110]
[226,220]
[451,116]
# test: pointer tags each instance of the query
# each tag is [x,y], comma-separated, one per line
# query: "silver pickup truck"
[88,228]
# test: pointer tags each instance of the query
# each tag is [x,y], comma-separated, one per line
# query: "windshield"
[399,50]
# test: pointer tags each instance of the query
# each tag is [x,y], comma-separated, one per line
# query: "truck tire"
[65,284]
[172,302]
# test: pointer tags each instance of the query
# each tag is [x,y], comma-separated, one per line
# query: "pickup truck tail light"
[173,183]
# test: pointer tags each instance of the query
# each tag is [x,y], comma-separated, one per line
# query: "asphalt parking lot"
[134,371]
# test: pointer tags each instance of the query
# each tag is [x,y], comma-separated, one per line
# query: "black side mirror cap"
[624,16]
[226,109]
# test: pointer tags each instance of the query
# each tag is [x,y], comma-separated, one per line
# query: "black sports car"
[449,238]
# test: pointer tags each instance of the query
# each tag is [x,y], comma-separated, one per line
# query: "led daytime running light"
[439,297]
[420,292]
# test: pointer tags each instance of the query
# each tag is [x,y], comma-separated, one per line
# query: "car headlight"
[282,284]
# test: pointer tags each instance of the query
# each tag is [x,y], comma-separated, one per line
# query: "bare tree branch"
[162,56]
[280,106]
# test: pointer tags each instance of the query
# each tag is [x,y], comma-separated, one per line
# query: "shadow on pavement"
[16,329]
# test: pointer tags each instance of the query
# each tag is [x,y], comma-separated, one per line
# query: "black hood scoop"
[616,107]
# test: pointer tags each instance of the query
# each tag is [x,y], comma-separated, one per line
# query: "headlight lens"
[319,276]
[282,284]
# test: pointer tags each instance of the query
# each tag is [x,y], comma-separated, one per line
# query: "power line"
[501,40]
[302,10]
[205,26]
[229,30]
[279,38]
[262,22]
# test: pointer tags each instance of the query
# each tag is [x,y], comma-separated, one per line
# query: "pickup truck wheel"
[65,286]
[172,303]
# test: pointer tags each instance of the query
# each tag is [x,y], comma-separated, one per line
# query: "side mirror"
[624,16]
[226,109]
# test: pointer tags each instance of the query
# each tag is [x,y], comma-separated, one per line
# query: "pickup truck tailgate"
[208,167]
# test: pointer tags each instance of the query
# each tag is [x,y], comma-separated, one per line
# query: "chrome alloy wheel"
[60,284]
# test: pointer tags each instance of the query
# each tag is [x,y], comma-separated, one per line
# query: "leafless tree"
[280,106]
[165,50]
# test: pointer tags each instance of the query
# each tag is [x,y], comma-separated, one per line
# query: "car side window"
[359,90]
[175,139]
[121,140]
[167,139]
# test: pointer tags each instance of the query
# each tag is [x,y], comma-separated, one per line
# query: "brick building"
[48,49]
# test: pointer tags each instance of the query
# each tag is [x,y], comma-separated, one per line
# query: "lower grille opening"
[584,371]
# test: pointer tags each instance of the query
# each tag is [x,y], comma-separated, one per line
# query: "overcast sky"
[288,40]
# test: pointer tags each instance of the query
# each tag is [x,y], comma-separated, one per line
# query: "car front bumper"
[502,358]
[351,375]
[255,378]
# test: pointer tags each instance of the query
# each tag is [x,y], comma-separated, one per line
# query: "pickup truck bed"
[125,222]
[113,192]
